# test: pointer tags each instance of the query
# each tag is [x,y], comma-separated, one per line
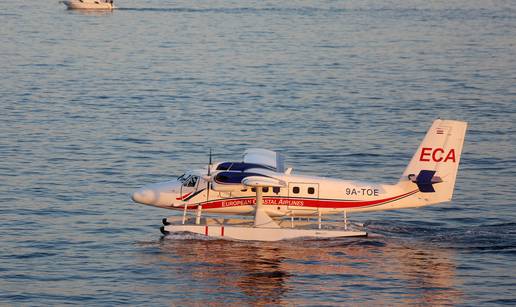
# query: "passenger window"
[311,190]
[295,190]
[276,190]
[243,190]
[265,189]
[253,189]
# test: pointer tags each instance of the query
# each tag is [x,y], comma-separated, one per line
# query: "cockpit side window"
[186,180]
[193,181]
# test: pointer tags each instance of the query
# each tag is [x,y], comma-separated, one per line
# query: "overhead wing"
[237,180]
[265,157]
[261,164]
[261,181]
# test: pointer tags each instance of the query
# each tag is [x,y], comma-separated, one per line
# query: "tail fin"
[434,166]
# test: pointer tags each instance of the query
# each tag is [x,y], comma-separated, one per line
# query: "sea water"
[96,104]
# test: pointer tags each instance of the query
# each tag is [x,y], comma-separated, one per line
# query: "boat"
[89,4]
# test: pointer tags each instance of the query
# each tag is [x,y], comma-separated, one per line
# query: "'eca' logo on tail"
[436,155]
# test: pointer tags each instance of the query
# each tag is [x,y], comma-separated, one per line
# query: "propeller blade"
[209,164]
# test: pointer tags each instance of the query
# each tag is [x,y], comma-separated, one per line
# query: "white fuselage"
[428,179]
[301,196]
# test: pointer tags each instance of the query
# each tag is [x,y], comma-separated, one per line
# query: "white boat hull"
[87,5]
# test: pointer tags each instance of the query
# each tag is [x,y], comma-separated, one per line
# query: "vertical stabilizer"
[434,166]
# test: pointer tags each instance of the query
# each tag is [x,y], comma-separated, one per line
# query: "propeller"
[208,180]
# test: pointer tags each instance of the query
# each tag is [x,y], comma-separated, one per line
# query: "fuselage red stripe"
[301,202]
[184,196]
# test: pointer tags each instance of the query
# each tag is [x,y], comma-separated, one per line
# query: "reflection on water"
[305,271]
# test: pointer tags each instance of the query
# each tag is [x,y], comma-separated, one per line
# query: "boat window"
[253,189]
[265,189]
[311,190]
[243,190]
[276,190]
[295,190]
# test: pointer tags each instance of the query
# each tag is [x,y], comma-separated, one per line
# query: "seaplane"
[257,198]
[89,4]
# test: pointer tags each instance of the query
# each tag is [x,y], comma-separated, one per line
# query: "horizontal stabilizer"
[425,180]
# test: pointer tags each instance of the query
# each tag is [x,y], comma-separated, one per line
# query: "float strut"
[198,217]
[184,214]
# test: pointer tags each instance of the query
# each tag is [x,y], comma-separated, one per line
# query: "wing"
[262,181]
[260,167]
[266,157]
[227,181]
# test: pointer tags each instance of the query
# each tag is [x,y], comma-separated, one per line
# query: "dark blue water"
[94,105]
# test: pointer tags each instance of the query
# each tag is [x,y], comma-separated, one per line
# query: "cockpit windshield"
[190,181]
[181,178]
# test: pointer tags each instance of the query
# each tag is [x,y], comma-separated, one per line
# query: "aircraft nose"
[143,196]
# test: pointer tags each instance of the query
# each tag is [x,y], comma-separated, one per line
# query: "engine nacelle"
[224,187]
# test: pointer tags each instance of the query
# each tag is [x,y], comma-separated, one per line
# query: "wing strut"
[261,218]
